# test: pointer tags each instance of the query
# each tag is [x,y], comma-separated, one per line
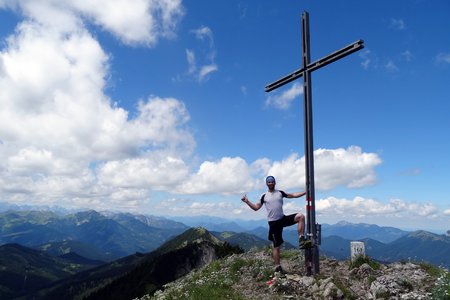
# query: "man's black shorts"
[276,229]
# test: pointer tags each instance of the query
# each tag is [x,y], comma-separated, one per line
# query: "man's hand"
[255,207]
[244,198]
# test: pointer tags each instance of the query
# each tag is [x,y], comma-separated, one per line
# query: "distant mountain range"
[72,248]
[360,231]
[343,229]
[107,236]
[59,271]
[416,246]
[94,235]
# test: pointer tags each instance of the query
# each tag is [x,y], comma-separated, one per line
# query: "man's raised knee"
[299,218]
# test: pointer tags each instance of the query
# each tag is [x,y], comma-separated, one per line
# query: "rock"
[364,270]
[331,291]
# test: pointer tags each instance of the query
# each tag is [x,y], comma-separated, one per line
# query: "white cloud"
[39,161]
[390,66]
[398,24]
[205,71]
[204,32]
[188,207]
[365,56]
[158,171]
[192,65]
[232,175]
[284,100]
[133,22]
[447,212]
[207,65]
[226,176]
[358,209]
[361,207]
[339,167]
[60,134]
[443,58]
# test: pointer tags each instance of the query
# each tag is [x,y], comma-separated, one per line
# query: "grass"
[348,294]
[441,290]
[431,269]
[289,254]
[360,260]
[215,281]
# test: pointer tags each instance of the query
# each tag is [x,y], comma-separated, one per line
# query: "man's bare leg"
[300,220]
[276,256]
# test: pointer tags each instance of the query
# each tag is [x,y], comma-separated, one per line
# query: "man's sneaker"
[279,269]
[304,243]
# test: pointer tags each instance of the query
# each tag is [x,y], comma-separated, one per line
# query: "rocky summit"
[250,275]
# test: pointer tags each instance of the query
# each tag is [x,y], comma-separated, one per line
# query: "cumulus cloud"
[339,167]
[330,208]
[226,176]
[64,141]
[361,207]
[156,172]
[133,22]
[233,175]
[60,134]
[188,207]
[283,101]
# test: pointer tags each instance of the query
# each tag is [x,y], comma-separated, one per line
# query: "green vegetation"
[441,290]
[348,294]
[360,260]
[431,269]
[215,281]
[226,249]
[289,254]
[209,283]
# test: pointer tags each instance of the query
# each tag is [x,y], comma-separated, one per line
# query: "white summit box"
[357,249]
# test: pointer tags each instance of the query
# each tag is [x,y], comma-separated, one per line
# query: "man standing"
[273,200]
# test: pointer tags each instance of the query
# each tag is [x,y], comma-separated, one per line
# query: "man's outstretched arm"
[296,195]
[253,206]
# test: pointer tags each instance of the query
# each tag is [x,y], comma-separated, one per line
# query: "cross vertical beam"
[311,263]
[311,255]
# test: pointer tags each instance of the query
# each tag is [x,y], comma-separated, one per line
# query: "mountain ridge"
[193,248]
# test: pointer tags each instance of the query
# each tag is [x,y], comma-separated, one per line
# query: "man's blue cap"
[270,178]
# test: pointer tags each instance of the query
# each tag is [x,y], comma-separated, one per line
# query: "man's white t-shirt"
[274,204]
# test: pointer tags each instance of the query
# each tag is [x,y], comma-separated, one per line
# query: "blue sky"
[158,107]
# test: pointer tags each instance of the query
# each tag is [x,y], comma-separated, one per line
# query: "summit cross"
[313,229]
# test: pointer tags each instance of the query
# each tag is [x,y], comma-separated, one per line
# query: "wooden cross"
[313,229]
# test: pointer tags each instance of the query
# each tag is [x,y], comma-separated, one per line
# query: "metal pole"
[311,255]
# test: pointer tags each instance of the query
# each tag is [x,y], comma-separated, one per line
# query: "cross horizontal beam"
[317,64]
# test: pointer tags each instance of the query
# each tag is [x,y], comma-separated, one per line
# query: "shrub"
[442,289]
[360,260]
